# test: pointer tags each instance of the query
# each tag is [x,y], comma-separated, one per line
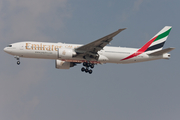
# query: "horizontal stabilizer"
[161,52]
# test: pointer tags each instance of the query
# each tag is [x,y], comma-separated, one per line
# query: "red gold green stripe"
[141,50]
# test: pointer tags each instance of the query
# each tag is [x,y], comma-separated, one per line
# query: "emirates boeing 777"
[96,52]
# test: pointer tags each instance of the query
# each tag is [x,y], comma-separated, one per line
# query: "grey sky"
[35,90]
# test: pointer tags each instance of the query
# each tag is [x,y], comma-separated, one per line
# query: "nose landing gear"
[87,70]
[18,60]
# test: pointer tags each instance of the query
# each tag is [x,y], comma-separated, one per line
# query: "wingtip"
[169,26]
[172,48]
[122,29]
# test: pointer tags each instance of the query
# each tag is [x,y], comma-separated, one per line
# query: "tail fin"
[157,42]
[153,45]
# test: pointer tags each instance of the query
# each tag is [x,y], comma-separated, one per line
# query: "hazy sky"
[35,90]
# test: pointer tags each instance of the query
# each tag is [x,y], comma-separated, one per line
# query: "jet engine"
[63,64]
[66,53]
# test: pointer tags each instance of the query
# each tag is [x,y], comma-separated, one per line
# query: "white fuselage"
[44,50]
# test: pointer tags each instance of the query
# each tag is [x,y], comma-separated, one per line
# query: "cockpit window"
[9,45]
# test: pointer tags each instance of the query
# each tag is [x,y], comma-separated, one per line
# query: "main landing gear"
[18,60]
[87,70]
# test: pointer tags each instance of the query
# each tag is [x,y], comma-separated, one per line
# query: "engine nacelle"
[64,65]
[66,53]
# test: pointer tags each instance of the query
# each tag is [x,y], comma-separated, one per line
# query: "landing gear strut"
[18,60]
[87,70]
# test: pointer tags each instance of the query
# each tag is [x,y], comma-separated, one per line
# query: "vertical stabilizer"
[154,44]
[160,38]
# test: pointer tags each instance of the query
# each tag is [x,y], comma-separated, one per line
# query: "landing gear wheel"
[86,67]
[84,64]
[18,62]
[90,71]
[88,64]
[92,65]
[82,69]
[86,70]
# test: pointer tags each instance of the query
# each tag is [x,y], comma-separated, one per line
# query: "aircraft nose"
[7,50]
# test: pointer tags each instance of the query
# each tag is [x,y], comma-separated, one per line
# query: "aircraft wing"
[93,47]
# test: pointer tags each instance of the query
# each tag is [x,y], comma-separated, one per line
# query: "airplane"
[96,52]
